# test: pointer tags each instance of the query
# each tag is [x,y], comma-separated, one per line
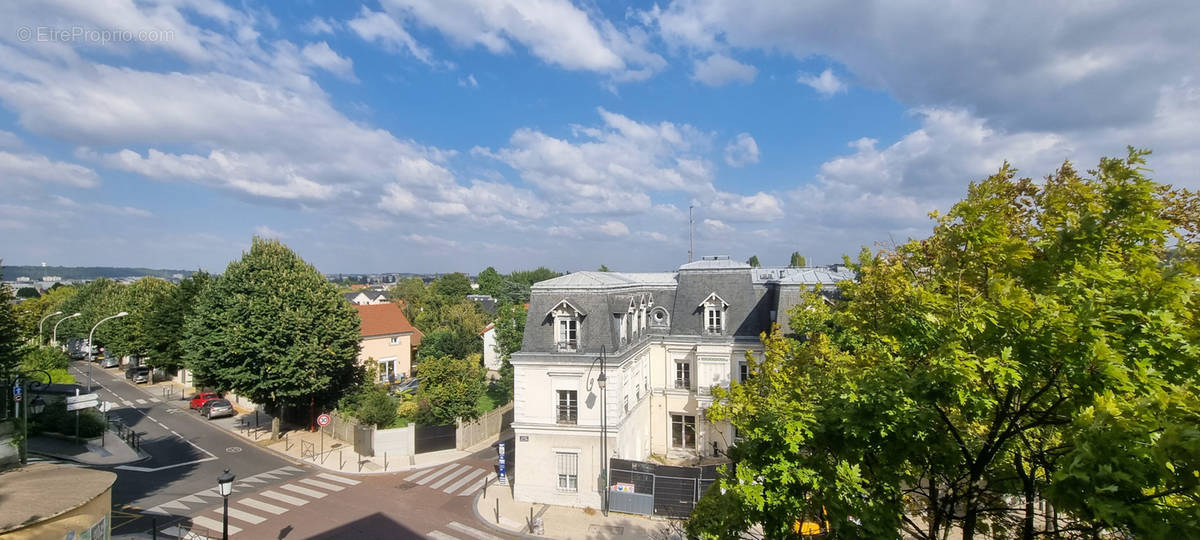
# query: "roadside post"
[501,475]
[323,421]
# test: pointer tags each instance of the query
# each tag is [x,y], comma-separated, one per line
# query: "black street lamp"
[35,403]
[225,485]
[602,383]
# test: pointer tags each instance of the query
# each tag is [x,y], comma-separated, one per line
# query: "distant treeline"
[86,272]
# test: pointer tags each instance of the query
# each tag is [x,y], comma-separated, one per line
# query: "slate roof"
[386,319]
[752,294]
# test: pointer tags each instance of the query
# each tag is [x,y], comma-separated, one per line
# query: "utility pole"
[691,231]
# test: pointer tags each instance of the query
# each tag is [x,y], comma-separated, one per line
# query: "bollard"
[497,510]
[385,461]
[340,462]
[153,528]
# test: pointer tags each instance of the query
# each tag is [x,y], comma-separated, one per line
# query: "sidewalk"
[561,522]
[113,451]
[307,447]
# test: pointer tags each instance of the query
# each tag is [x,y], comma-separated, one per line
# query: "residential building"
[388,341]
[666,339]
[366,297]
[491,351]
[485,302]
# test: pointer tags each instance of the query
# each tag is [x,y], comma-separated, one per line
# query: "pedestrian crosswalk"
[459,531]
[249,510]
[454,479]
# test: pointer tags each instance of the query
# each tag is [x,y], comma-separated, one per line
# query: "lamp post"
[35,403]
[90,334]
[602,382]
[54,335]
[225,485]
[43,321]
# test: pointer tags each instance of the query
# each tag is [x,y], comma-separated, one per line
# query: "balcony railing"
[570,345]
[567,417]
[683,384]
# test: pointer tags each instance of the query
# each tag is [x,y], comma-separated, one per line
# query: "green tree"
[95,300]
[140,299]
[510,332]
[753,262]
[1040,343]
[490,282]
[31,312]
[377,408]
[450,388]
[529,277]
[11,344]
[165,325]
[603,268]
[411,294]
[274,330]
[798,260]
[451,287]
[27,292]
[444,342]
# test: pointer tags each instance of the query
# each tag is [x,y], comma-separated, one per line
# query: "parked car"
[75,348]
[200,399]
[216,408]
[138,375]
[110,361]
[405,387]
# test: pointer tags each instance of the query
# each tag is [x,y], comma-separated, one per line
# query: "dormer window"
[714,314]
[566,326]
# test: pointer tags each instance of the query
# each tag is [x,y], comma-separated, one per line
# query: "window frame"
[567,469]
[566,411]
[680,425]
[684,382]
[566,333]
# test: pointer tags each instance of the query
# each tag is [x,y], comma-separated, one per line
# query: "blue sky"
[422,136]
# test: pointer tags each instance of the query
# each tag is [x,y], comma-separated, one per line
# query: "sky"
[452,135]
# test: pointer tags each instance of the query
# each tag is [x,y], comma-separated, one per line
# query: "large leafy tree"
[95,300]
[31,312]
[753,261]
[164,328]
[450,388]
[140,299]
[797,260]
[1040,344]
[510,332]
[452,287]
[271,328]
[11,343]
[490,282]
[411,294]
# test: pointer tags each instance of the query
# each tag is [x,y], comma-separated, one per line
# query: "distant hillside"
[85,272]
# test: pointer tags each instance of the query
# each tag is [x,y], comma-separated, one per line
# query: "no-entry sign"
[323,420]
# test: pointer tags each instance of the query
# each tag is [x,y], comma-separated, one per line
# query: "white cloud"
[720,70]
[378,27]
[319,25]
[320,55]
[93,206]
[37,169]
[758,207]
[717,226]
[555,31]
[614,229]
[612,168]
[742,150]
[1053,70]
[468,82]
[263,231]
[826,84]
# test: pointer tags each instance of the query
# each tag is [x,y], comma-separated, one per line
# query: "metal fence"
[640,487]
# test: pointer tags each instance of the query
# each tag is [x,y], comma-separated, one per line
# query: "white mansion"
[668,338]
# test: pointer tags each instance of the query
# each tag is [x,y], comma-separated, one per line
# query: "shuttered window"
[568,471]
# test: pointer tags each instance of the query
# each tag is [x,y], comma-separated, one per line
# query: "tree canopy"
[164,328]
[273,329]
[450,388]
[1039,345]
[753,262]
[11,344]
[798,260]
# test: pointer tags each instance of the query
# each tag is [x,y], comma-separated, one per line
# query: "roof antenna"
[691,232]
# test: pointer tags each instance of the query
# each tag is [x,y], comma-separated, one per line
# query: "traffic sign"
[84,397]
[105,406]
[323,420]
[82,405]
[17,391]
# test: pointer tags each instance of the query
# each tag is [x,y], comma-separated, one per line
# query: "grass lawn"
[60,376]
[488,401]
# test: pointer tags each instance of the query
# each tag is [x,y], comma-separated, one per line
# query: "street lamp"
[225,485]
[602,383]
[36,406]
[40,325]
[89,345]
[54,335]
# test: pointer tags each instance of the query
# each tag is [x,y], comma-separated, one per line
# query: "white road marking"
[463,481]
[245,516]
[295,501]
[413,477]
[156,469]
[473,533]
[446,479]
[438,473]
[140,401]
[265,507]
[322,485]
[335,478]
[303,491]
[439,535]
[477,485]
[213,525]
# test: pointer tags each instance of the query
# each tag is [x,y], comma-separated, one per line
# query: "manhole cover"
[406,485]
[233,449]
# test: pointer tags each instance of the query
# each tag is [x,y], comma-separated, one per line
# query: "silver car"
[217,408]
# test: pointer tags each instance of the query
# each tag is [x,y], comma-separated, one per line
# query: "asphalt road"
[187,453]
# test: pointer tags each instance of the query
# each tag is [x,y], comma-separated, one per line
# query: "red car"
[203,397]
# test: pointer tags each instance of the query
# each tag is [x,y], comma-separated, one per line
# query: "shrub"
[378,409]
[57,419]
[408,409]
[47,358]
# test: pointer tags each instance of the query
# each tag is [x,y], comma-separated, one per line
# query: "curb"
[493,526]
[142,456]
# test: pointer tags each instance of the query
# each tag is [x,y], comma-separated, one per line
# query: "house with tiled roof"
[366,297]
[662,341]
[388,341]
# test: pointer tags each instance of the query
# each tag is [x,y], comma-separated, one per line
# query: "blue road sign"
[17,391]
